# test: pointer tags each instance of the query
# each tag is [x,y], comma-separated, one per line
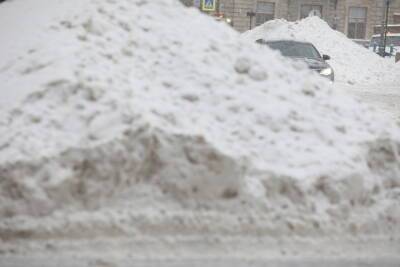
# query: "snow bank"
[351,62]
[160,120]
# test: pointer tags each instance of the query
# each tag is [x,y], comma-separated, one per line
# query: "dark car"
[305,52]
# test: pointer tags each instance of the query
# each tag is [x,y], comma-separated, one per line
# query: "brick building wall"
[241,21]
[343,10]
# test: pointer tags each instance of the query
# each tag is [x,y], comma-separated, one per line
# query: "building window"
[396,18]
[264,11]
[310,10]
[356,29]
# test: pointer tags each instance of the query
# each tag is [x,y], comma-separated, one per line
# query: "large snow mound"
[352,63]
[149,94]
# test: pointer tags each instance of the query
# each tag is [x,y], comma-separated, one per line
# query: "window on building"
[356,28]
[396,18]
[264,11]
[310,10]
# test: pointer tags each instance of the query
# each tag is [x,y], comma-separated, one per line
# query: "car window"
[292,49]
[390,40]
[394,40]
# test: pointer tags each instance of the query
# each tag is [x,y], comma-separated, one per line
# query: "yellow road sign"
[208,5]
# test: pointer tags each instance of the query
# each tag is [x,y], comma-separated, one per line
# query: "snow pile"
[144,111]
[351,62]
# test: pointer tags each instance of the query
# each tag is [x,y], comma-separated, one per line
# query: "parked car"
[303,51]
[392,44]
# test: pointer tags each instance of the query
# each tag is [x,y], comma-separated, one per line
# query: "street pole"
[233,13]
[384,26]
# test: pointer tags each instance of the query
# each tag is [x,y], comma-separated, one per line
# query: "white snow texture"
[136,111]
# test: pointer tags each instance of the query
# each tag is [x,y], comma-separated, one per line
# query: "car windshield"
[390,40]
[293,49]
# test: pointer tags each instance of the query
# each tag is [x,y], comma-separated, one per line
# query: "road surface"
[67,262]
[386,98]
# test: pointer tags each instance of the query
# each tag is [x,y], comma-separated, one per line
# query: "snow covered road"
[386,98]
[64,262]
[237,252]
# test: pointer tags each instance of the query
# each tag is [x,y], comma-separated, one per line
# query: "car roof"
[389,34]
[283,41]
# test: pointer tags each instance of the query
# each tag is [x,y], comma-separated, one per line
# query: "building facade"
[355,18]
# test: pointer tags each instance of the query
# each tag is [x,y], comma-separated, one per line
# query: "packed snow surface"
[144,117]
[352,63]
